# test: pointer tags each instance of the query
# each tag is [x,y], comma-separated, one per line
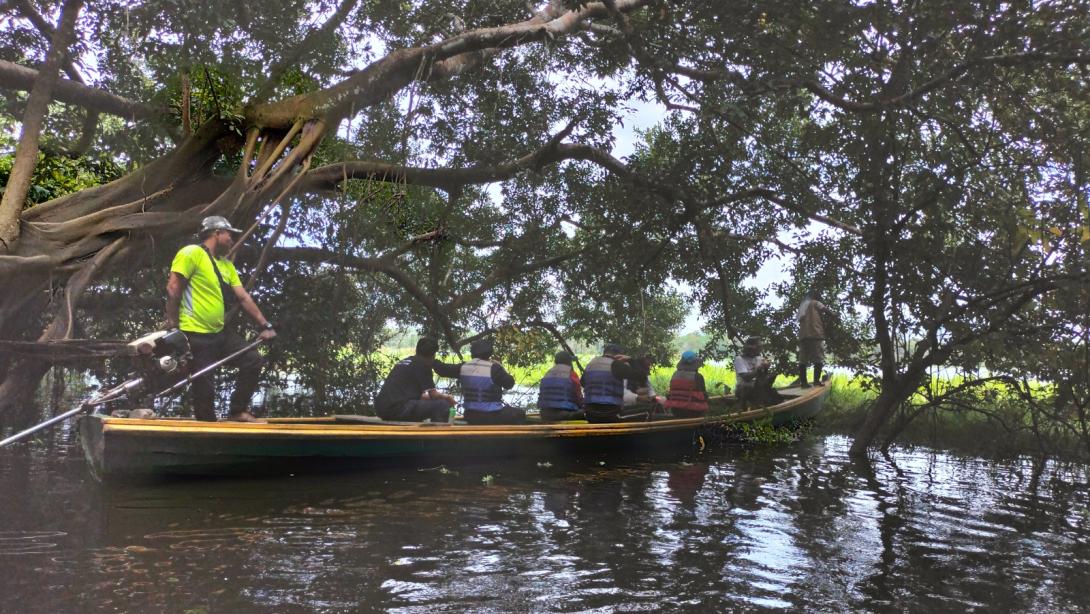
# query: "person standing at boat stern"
[483,381]
[603,384]
[560,395]
[688,396]
[200,280]
[408,393]
[812,336]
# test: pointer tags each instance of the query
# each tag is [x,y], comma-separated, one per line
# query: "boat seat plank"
[355,419]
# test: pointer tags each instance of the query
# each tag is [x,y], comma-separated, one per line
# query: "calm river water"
[796,527]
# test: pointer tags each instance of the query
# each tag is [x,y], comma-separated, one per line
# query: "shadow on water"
[796,527]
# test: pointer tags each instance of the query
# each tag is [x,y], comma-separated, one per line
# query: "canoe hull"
[128,448]
[124,453]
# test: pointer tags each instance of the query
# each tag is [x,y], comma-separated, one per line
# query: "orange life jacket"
[684,393]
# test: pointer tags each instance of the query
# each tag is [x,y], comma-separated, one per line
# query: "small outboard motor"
[161,359]
[169,349]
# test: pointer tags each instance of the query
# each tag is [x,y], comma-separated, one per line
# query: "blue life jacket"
[555,390]
[480,393]
[599,385]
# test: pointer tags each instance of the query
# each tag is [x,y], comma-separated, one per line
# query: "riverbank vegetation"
[1004,419]
[456,168]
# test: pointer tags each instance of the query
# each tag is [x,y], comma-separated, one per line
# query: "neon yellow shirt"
[201,310]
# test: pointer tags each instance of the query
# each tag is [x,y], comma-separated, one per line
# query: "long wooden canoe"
[124,447]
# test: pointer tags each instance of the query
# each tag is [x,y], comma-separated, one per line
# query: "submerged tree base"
[1001,427]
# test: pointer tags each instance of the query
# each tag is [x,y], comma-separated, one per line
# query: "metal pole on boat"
[105,397]
[47,423]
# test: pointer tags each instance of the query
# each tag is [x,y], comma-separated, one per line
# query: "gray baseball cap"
[216,222]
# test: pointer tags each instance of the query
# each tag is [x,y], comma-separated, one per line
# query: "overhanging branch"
[383,78]
[548,326]
[501,274]
[387,267]
[325,178]
[16,77]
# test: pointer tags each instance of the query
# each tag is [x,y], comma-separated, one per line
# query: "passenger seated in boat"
[754,376]
[688,397]
[483,381]
[560,395]
[603,384]
[409,394]
[639,395]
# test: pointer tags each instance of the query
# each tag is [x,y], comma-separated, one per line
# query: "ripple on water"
[405,588]
[798,528]
[16,543]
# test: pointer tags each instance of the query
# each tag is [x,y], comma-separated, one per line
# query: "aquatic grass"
[849,398]
[761,433]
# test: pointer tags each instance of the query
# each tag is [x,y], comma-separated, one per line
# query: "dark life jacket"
[480,393]
[555,390]
[599,385]
[684,393]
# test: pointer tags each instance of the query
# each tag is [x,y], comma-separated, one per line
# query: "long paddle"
[124,388]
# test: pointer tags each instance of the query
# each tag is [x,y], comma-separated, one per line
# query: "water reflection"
[796,527]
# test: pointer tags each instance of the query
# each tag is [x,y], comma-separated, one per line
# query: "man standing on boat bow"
[812,336]
[200,280]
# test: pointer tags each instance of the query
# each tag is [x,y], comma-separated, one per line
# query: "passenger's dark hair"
[427,347]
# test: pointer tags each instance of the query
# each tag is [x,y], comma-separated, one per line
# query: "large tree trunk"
[880,413]
[72,240]
[895,391]
[85,233]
